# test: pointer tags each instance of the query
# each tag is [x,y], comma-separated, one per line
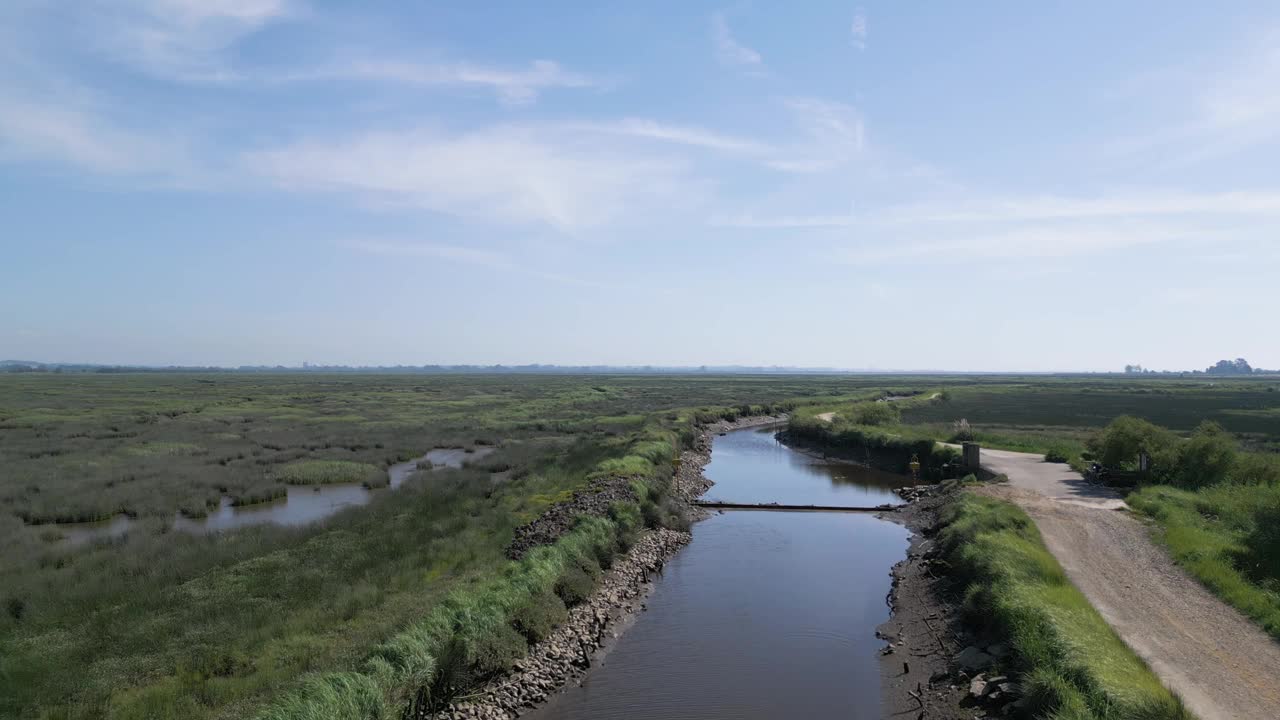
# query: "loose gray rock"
[971,659]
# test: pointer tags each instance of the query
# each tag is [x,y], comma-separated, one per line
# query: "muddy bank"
[931,666]
[591,626]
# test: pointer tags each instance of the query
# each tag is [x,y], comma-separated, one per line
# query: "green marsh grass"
[1228,537]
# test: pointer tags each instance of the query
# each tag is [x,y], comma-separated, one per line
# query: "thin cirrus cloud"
[729,51]
[1254,205]
[75,133]
[191,42]
[510,174]
[1227,106]
[1036,243]
[513,86]
[182,40]
[680,135]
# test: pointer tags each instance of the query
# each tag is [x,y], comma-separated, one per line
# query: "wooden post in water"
[972,456]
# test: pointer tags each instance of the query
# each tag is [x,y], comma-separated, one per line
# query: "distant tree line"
[1239,366]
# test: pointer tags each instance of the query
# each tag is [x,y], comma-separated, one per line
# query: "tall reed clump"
[1071,664]
[325,472]
[475,634]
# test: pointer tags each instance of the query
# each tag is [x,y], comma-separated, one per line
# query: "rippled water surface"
[765,615]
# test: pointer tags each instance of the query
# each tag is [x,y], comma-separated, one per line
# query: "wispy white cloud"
[1032,208]
[680,135]
[510,174]
[74,133]
[513,86]
[833,134]
[1017,243]
[194,42]
[858,29]
[1230,106]
[182,40]
[729,51]
[1115,204]
[827,134]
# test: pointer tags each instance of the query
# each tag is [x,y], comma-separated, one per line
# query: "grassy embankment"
[480,630]
[868,430]
[1070,664]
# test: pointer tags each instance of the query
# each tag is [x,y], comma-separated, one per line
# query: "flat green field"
[159,622]
[1250,408]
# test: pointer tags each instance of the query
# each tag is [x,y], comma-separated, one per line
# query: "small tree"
[1120,443]
[875,413]
[1207,458]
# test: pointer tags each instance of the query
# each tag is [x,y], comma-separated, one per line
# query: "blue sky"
[1001,185]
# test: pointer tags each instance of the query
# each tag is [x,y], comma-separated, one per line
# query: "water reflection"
[751,466]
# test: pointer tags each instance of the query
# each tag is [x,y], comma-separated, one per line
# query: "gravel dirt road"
[1220,663]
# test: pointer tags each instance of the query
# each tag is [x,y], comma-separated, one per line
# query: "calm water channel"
[766,614]
[750,466]
[302,505]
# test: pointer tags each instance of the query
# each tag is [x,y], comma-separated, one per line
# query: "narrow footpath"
[1221,664]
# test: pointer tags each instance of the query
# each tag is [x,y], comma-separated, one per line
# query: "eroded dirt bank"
[573,647]
[931,666]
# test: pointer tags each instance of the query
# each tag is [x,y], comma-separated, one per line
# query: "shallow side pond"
[302,504]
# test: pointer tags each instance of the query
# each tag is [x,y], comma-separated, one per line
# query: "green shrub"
[874,413]
[539,616]
[1206,459]
[1119,444]
[1257,469]
[1057,455]
[494,651]
[574,585]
